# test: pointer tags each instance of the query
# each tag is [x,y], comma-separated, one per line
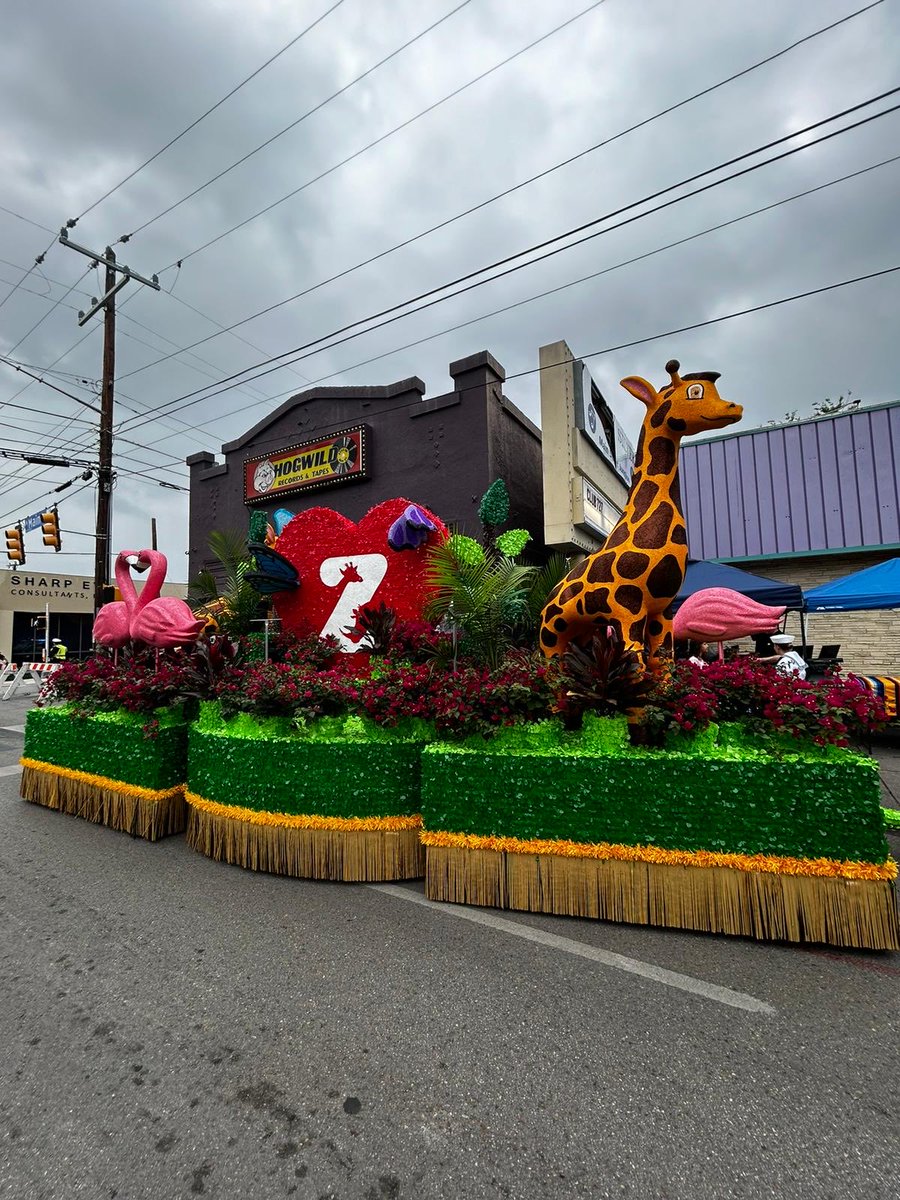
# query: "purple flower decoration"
[410,530]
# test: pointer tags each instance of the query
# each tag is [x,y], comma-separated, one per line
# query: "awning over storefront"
[871,588]
[700,575]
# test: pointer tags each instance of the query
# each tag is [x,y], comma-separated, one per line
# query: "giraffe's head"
[689,404]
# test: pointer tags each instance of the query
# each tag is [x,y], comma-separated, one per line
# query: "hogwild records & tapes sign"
[338,458]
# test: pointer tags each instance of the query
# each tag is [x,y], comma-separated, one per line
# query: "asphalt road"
[172,1027]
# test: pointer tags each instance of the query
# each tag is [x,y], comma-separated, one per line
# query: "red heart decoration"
[344,566]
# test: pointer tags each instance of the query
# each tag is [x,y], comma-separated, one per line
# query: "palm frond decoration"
[483,600]
[226,589]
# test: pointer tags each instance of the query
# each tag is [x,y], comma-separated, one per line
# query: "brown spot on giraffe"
[629,597]
[653,531]
[631,564]
[630,583]
[600,569]
[663,454]
[660,415]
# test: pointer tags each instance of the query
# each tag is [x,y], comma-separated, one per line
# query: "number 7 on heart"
[360,578]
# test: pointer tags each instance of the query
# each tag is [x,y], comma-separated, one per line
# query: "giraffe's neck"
[655,475]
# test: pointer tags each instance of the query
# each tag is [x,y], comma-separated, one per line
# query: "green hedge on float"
[114,744]
[337,798]
[120,769]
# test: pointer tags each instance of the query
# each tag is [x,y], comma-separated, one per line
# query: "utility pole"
[105,474]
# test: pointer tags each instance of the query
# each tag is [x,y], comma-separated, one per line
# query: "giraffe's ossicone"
[628,586]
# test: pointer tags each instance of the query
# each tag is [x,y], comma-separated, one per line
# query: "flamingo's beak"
[137,563]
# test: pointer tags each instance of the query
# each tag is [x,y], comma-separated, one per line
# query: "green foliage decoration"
[718,798]
[118,745]
[513,542]
[226,589]
[465,550]
[494,508]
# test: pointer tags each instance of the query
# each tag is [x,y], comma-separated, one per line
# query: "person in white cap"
[788,661]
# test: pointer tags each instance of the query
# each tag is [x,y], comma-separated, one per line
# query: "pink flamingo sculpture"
[112,624]
[716,614]
[165,621]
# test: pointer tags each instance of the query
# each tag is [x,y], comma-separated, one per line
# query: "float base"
[770,907]
[142,812]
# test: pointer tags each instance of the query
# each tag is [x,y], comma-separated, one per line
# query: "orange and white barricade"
[38,671]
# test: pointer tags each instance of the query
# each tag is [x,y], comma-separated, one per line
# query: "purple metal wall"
[826,484]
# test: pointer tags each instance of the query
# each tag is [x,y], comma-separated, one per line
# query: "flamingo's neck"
[153,586]
[125,583]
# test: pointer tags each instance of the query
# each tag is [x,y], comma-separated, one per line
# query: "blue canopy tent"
[700,575]
[873,587]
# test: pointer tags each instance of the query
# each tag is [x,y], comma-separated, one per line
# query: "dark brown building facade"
[443,452]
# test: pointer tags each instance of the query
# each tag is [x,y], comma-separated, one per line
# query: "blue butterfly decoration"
[274,573]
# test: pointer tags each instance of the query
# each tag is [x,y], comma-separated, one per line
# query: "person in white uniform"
[789,662]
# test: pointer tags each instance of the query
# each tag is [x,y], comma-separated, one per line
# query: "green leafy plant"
[604,678]
[224,593]
[484,600]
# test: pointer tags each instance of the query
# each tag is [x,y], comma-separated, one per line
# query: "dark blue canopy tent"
[700,575]
[873,587]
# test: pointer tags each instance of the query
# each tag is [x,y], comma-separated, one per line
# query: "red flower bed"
[826,711]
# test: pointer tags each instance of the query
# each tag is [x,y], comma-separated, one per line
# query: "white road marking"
[13,728]
[620,962]
[12,769]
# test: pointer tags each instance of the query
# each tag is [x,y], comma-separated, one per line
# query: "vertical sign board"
[587,457]
[601,427]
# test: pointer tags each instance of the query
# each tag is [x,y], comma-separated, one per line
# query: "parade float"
[517,733]
[116,752]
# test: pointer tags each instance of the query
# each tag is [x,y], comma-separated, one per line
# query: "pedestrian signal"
[50,529]
[15,548]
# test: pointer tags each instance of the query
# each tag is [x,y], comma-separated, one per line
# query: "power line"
[515,187]
[53,307]
[829,287]
[212,109]
[586,278]
[293,125]
[390,133]
[307,347]
[28,220]
[644,340]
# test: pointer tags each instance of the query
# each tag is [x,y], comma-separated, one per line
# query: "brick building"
[806,502]
[349,448]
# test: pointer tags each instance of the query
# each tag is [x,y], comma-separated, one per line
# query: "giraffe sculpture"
[629,584]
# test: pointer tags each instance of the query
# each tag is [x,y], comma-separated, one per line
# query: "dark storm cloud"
[89,93]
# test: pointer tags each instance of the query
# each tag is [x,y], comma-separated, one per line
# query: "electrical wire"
[218,104]
[194,397]
[384,137]
[53,307]
[575,282]
[293,125]
[744,312]
[517,186]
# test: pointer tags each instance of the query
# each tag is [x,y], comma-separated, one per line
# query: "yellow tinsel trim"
[770,864]
[112,785]
[253,816]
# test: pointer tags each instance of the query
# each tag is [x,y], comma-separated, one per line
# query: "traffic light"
[15,547]
[50,529]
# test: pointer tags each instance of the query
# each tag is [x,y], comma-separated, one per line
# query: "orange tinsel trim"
[255,816]
[112,785]
[770,864]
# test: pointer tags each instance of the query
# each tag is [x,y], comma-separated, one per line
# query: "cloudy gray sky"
[90,92]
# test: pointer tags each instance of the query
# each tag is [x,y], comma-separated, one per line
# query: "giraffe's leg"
[659,639]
